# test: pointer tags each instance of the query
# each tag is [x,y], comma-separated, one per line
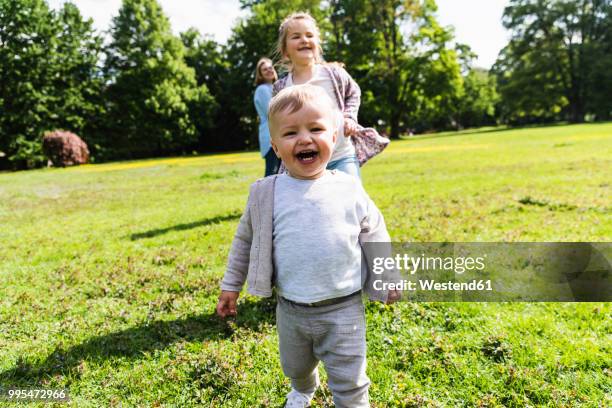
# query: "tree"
[48,76]
[477,106]
[402,60]
[557,63]
[78,79]
[208,61]
[152,91]
[26,39]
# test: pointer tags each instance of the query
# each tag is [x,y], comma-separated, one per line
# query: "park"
[110,270]
[110,277]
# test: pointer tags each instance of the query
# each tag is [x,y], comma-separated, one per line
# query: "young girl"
[299,47]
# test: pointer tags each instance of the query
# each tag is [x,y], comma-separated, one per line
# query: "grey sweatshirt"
[251,254]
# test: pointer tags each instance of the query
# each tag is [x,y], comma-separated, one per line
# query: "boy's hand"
[393,296]
[227,303]
[350,127]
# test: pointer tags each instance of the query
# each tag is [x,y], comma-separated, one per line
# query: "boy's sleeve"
[374,230]
[238,261]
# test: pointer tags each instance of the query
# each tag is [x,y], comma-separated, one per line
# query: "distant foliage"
[558,64]
[146,92]
[151,92]
[402,58]
[207,58]
[48,76]
[477,107]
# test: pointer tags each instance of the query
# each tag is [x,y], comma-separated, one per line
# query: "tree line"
[141,91]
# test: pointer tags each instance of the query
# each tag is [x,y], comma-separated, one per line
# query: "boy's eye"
[317,129]
[289,133]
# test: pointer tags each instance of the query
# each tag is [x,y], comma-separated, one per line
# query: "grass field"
[110,276]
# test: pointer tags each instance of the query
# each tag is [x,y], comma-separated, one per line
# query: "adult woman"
[265,75]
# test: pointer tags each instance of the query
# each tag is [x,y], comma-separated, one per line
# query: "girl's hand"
[227,303]
[350,127]
[393,296]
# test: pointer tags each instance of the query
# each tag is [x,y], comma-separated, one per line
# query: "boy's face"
[304,140]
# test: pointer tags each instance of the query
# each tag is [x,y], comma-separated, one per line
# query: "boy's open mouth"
[307,156]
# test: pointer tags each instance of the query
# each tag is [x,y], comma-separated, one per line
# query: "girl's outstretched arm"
[352,96]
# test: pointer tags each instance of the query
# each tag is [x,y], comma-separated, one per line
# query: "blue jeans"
[349,165]
[272,163]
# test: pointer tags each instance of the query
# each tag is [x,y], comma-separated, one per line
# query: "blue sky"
[476,22]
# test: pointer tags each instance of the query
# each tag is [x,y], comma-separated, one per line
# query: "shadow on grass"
[132,343]
[187,226]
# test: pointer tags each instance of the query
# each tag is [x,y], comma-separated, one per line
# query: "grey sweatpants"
[334,334]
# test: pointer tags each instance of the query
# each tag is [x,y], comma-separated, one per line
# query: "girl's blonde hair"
[259,79]
[283,30]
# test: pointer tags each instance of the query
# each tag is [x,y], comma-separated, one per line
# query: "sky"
[477,23]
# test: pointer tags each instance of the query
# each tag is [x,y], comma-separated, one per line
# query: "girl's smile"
[267,72]
[302,42]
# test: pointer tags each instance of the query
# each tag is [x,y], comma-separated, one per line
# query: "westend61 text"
[432,285]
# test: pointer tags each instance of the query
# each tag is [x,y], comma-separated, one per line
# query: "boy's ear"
[274,147]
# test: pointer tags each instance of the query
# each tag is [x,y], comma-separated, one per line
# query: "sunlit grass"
[110,276]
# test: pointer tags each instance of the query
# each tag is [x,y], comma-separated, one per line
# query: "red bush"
[64,148]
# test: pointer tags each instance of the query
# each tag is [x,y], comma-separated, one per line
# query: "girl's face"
[267,72]
[302,42]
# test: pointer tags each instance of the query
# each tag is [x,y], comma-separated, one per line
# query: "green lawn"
[110,277]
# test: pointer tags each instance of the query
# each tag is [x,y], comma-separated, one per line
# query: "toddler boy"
[302,232]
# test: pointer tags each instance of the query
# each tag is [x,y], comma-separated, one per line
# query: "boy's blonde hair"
[259,79]
[283,29]
[293,98]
